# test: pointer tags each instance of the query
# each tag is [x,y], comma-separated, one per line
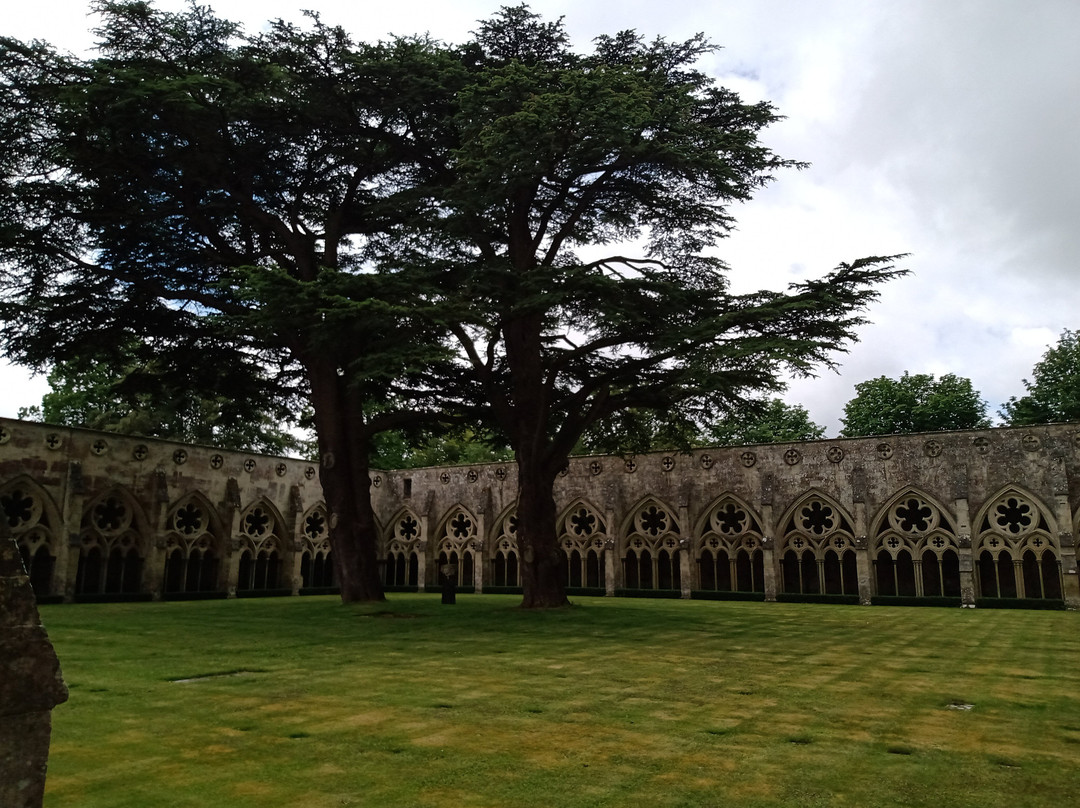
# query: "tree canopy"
[774,421]
[574,204]
[913,403]
[336,210]
[211,195]
[144,396]
[1053,393]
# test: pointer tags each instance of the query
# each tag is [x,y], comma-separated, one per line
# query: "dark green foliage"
[453,447]
[918,403]
[648,593]
[146,397]
[711,594]
[1053,394]
[552,163]
[771,422]
[910,600]
[213,196]
[792,597]
[1020,603]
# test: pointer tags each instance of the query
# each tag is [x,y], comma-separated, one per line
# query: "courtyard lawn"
[612,702]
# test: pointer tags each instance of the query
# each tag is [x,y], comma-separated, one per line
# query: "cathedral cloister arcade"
[970,518]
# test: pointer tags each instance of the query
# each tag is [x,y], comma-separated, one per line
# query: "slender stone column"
[30,685]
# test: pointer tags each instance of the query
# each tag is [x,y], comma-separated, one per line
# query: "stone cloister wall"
[987,514]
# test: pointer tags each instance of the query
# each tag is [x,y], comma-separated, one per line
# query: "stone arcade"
[977,516]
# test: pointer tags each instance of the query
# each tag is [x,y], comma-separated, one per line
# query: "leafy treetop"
[1053,393]
[913,403]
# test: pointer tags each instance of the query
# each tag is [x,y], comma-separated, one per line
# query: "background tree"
[918,403]
[550,152]
[450,446]
[144,396]
[774,421]
[1053,394]
[191,180]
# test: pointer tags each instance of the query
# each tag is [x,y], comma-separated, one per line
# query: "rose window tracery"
[408,528]
[730,519]
[653,520]
[582,522]
[1013,515]
[913,516]
[111,515]
[817,518]
[315,525]
[188,519]
[460,526]
[20,508]
[256,522]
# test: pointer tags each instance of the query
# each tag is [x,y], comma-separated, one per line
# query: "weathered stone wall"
[987,513]
[30,686]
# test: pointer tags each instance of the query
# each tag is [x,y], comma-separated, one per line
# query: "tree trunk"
[344,473]
[542,564]
[527,423]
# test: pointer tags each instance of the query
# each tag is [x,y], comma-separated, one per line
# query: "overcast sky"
[947,130]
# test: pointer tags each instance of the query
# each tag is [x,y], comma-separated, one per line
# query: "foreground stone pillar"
[30,686]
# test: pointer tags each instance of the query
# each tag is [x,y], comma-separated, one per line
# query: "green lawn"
[613,702]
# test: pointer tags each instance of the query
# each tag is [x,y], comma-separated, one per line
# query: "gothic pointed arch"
[651,541]
[1016,547]
[34,522]
[262,526]
[816,547]
[403,542]
[584,539]
[504,559]
[262,545]
[194,545]
[728,549]
[457,541]
[914,548]
[316,558]
[113,544]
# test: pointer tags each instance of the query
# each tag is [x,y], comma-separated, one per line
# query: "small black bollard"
[448,573]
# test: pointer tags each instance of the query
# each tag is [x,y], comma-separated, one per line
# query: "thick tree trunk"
[542,567]
[344,473]
[542,577]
